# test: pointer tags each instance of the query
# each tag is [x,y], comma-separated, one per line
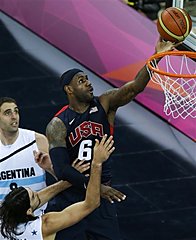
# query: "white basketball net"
[180,93]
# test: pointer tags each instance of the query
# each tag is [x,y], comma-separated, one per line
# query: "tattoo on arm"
[56,133]
[118,97]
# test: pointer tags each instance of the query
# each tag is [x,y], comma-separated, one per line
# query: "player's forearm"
[93,190]
[71,175]
[127,92]
[63,169]
[143,77]
[51,191]
[141,80]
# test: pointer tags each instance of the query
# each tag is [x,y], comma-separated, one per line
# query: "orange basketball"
[174,24]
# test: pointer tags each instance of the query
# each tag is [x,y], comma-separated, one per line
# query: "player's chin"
[14,129]
[90,96]
[90,93]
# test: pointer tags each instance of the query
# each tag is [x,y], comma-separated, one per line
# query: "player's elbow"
[93,204]
[97,203]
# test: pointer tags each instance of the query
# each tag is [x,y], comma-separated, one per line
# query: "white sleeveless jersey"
[30,231]
[18,166]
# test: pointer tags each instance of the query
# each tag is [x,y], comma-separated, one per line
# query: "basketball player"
[71,134]
[17,164]
[17,149]
[16,212]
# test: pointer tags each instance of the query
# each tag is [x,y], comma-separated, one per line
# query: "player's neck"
[79,108]
[8,138]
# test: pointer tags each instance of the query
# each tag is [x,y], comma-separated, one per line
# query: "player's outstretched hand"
[163,46]
[103,149]
[111,194]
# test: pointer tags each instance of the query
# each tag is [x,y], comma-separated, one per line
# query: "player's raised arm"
[51,191]
[115,98]
[56,221]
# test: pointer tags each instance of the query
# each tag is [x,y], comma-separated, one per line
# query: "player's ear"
[68,89]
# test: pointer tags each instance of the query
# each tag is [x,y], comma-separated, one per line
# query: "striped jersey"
[18,166]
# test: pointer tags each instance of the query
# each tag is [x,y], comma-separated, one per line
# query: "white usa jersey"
[18,166]
[30,231]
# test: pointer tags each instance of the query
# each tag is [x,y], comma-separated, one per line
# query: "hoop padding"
[176,74]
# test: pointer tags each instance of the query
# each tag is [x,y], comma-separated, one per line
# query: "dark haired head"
[7,99]
[13,211]
[67,76]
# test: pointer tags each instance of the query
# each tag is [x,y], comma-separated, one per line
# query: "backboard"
[190,7]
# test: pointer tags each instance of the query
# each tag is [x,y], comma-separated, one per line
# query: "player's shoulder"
[55,122]
[41,141]
[40,136]
[26,133]
[55,127]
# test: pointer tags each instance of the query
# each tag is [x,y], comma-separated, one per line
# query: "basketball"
[174,24]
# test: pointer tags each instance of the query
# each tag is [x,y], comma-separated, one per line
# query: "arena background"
[154,161]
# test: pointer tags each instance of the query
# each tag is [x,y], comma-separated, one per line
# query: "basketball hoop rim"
[173,53]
